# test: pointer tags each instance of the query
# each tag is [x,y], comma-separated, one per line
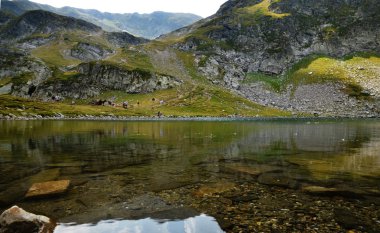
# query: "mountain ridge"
[143,25]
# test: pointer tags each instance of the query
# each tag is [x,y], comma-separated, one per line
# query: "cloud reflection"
[198,224]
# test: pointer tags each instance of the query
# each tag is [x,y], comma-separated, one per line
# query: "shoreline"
[12,117]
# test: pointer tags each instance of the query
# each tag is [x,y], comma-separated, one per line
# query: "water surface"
[124,169]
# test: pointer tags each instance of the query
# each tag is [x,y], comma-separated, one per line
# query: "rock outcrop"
[94,78]
[89,52]
[15,220]
[27,73]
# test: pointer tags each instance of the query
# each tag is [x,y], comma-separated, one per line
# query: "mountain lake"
[275,175]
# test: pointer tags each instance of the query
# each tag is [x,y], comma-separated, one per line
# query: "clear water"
[120,170]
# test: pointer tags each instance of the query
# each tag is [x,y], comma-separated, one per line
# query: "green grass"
[52,53]
[276,83]
[263,9]
[197,101]
[131,59]
[5,81]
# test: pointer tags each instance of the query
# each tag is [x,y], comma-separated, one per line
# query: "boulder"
[17,220]
[48,188]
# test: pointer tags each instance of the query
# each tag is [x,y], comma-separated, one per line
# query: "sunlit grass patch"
[263,8]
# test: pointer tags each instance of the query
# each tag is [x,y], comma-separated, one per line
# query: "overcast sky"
[203,8]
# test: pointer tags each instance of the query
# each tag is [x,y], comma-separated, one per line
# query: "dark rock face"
[122,38]
[44,22]
[95,77]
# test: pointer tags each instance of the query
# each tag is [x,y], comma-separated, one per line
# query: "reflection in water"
[198,224]
[126,164]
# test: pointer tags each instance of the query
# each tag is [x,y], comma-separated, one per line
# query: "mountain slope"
[144,25]
[249,44]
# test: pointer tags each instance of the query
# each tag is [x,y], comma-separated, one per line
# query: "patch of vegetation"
[63,77]
[355,90]
[262,8]
[132,59]
[276,83]
[52,53]
[22,78]
[329,32]
[5,81]
[198,100]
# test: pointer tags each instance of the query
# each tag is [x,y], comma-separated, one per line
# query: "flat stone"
[254,170]
[212,189]
[318,189]
[16,219]
[48,188]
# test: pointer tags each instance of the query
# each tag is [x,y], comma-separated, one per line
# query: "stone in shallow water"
[48,188]
[212,189]
[16,220]
[277,179]
[18,188]
[253,170]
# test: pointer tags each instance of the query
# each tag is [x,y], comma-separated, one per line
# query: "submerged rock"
[48,188]
[17,220]
[212,189]
[277,179]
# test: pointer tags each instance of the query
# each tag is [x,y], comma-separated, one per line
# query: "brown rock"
[16,220]
[48,188]
[212,189]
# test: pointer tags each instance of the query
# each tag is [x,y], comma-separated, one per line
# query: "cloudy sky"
[203,8]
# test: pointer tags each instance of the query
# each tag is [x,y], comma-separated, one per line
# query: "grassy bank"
[199,101]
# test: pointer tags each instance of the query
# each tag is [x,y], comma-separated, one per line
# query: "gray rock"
[95,77]
[89,52]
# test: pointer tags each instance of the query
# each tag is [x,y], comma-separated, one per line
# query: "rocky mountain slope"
[56,38]
[248,44]
[144,25]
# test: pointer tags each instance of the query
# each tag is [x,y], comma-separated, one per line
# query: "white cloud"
[200,7]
